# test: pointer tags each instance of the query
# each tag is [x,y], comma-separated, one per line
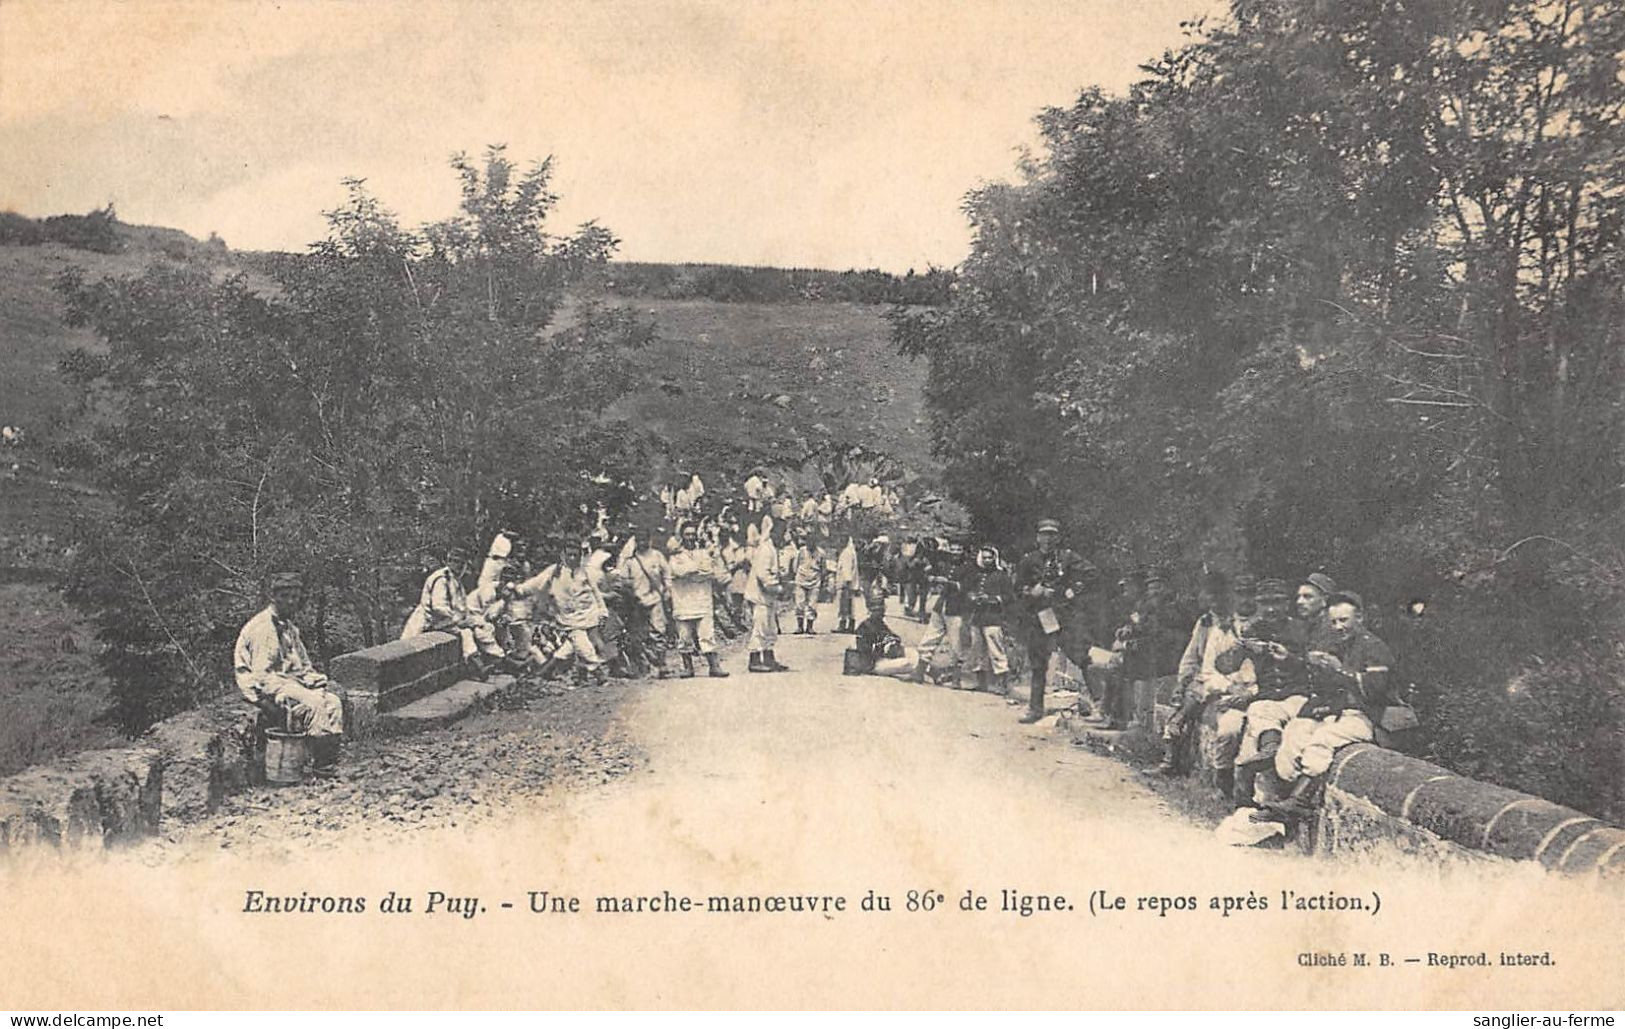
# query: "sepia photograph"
[812,505]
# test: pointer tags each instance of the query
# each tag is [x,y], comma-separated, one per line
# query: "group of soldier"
[1285,674]
[1283,688]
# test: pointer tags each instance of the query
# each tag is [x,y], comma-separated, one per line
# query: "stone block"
[50,806]
[437,679]
[1599,848]
[395,663]
[1519,829]
[1458,809]
[129,790]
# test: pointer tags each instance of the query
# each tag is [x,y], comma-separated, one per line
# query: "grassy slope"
[724,364]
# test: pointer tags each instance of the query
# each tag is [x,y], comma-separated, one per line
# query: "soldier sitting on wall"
[1349,688]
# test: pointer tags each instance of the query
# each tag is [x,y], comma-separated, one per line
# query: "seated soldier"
[1349,688]
[273,671]
[443,607]
[1199,679]
[1274,645]
[501,607]
[880,650]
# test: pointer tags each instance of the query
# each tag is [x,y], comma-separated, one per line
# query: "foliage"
[1336,286]
[95,231]
[736,284]
[397,394]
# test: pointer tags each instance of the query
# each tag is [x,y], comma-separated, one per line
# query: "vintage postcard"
[791,505]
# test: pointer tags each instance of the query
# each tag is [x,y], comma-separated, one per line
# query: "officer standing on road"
[1052,584]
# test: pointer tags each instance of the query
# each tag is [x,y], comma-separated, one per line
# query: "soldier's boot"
[1170,758]
[810,619]
[1296,804]
[688,665]
[772,662]
[1269,743]
[715,664]
[324,753]
[1035,697]
[757,662]
[549,668]
[921,666]
[1243,784]
[984,681]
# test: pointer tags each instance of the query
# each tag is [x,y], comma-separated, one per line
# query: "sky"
[830,134]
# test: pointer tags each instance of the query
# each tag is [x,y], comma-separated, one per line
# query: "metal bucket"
[287,757]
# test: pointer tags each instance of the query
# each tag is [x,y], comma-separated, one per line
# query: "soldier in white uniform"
[764,589]
[695,568]
[273,667]
[443,607]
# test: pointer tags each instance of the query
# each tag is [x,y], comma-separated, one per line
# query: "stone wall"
[392,675]
[93,800]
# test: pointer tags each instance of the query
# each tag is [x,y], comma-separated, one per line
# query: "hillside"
[781,377]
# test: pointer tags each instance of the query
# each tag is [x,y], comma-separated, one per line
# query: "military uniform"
[1058,617]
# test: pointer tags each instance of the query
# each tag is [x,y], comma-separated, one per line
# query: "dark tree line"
[96,231]
[731,284]
[1337,285]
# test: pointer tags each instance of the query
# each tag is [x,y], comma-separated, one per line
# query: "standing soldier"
[988,594]
[1051,583]
[763,589]
[695,568]
[846,584]
[649,575]
[943,612]
[809,575]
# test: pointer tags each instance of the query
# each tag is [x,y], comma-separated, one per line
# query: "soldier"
[443,607]
[988,594]
[1199,678]
[1146,647]
[695,568]
[846,584]
[809,575]
[580,610]
[1274,644]
[764,588]
[880,650]
[649,575]
[1311,608]
[1349,682]
[943,608]
[273,669]
[1051,582]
